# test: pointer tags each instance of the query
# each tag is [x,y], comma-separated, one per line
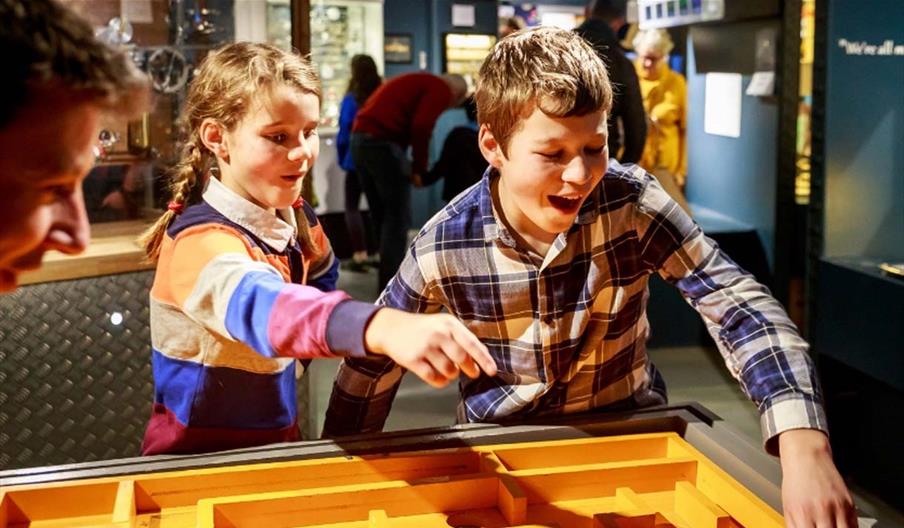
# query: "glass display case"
[340,29]
[167,39]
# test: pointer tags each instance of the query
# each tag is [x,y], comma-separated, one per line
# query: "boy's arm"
[365,387]
[759,343]
[761,348]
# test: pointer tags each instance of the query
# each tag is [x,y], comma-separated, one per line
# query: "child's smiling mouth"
[565,204]
[291,178]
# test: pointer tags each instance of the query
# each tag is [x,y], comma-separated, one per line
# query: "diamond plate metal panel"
[75,375]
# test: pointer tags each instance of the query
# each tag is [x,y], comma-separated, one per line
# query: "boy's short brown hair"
[548,68]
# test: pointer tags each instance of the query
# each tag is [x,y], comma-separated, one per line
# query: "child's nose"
[69,233]
[577,171]
[302,151]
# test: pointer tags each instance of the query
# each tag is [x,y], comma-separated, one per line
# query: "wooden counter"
[112,250]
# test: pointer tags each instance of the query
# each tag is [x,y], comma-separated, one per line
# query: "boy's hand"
[433,346]
[813,492]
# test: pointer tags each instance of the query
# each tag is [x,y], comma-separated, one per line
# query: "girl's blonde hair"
[224,90]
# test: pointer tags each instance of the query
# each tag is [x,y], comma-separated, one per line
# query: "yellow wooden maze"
[633,481]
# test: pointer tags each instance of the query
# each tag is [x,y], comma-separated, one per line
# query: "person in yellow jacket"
[665,100]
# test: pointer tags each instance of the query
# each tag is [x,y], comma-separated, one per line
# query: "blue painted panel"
[864,130]
[735,177]
[413,18]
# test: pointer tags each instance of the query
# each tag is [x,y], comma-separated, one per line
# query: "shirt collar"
[277,231]
[494,229]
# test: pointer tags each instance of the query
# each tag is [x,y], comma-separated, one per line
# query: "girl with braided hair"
[246,278]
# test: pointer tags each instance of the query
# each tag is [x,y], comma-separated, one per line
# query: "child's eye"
[551,155]
[595,151]
[55,193]
[278,138]
[310,132]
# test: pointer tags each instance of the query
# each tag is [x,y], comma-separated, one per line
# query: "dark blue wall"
[427,21]
[864,133]
[404,16]
[734,176]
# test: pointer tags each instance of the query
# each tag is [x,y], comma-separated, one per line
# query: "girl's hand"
[433,346]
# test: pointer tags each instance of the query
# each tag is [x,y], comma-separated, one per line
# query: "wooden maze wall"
[637,481]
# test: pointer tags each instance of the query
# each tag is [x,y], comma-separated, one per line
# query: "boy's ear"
[489,147]
[213,135]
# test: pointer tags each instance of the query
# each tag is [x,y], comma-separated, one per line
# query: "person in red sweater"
[400,114]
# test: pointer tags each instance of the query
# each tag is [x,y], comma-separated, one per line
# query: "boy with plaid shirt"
[547,260]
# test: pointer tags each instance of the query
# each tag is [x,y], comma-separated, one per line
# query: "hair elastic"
[175,207]
[298,203]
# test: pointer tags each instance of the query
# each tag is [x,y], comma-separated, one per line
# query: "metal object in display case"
[168,69]
[117,32]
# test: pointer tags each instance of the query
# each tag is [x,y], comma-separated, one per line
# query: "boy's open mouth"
[292,178]
[565,204]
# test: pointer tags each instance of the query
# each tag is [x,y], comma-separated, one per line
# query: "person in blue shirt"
[364,80]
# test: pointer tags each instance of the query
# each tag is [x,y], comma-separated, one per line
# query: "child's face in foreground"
[272,148]
[551,165]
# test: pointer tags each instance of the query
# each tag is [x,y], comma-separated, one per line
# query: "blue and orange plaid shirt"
[568,331]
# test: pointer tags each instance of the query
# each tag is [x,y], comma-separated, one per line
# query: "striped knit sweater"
[233,305]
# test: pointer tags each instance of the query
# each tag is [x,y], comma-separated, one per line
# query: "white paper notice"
[762,83]
[137,11]
[463,15]
[722,110]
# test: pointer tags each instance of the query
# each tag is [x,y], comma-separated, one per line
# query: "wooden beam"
[301,26]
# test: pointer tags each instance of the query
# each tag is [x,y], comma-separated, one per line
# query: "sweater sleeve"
[220,285]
